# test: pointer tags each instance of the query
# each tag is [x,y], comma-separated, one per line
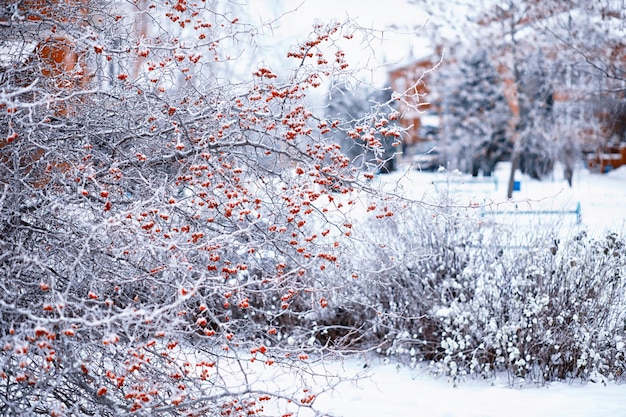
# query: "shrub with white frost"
[449,288]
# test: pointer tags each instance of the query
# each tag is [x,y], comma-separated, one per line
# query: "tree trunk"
[514,166]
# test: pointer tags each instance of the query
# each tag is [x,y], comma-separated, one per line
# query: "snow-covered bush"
[451,288]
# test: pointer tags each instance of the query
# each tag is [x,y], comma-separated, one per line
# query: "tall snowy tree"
[475,114]
[534,153]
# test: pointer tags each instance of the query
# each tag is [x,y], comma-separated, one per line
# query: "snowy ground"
[392,390]
[602,198]
[400,391]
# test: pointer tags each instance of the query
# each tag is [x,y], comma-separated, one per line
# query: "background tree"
[534,148]
[475,114]
[574,45]
[167,226]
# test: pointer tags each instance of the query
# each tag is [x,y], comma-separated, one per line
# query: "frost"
[443,312]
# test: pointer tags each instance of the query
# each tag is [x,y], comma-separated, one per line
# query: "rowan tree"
[355,104]
[166,226]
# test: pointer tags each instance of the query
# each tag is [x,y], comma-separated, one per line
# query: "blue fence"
[577,211]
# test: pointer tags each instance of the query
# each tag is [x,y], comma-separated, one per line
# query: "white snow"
[396,390]
[602,197]
[15,51]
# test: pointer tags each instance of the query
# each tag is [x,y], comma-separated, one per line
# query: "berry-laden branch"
[168,231]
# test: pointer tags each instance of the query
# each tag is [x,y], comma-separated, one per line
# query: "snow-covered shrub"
[450,288]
